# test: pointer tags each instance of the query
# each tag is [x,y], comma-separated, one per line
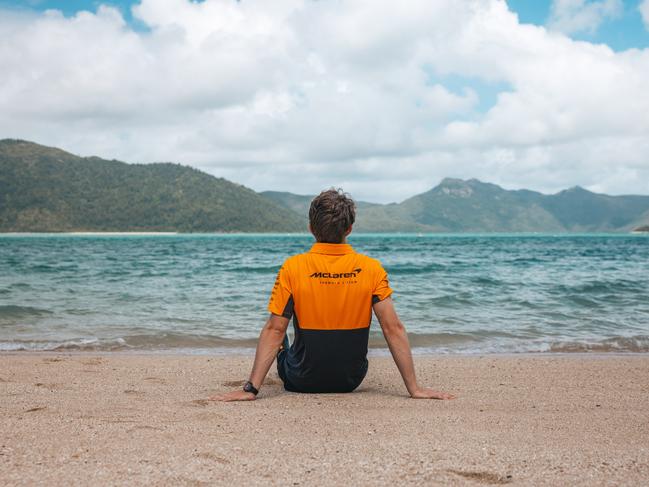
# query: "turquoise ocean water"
[208,293]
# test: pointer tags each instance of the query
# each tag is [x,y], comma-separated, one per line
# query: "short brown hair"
[331,214]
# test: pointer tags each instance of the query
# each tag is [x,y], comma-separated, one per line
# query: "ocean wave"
[521,261]
[446,339]
[141,342]
[46,268]
[484,342]
[487,281]
[618,344]
[601,287]
[452,301]
[634,344]
[20,286]
[268,269]
[14,312]
[415,269]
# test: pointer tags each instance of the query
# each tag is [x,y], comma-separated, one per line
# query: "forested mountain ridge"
[44,189]
[457,205]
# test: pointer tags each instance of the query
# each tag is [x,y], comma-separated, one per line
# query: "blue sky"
[620,33]
[70,7]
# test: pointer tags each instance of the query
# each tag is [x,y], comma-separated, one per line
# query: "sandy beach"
[90,419]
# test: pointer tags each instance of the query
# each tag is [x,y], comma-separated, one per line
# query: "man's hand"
[397,338]
[424,393]
[270,339]
[233,396]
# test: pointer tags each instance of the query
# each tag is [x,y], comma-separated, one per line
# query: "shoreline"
[379,353]
[306,234]
[127,419]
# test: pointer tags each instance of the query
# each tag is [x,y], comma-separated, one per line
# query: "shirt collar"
[331,248]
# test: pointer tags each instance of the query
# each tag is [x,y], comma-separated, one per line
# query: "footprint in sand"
[484,477]
[239,383]
[199,402]
[208,415]
[146,427]
[93,361]
[155,380]
[37,408]
[134,392]
[211,456]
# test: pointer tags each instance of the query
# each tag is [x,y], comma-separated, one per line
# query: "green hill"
[297,203]
[47,189]
[456,205]
[43,189]
[580,210]
[369,216]
[472,206]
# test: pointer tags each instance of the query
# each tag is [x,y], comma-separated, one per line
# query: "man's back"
[329,292]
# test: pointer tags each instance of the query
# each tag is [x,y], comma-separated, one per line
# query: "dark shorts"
[281,371]
[322,382]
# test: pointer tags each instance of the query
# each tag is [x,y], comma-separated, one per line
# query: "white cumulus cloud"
[644,11]
[380,97]
[572,16]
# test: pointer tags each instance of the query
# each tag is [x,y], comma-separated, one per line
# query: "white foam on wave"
[619,344]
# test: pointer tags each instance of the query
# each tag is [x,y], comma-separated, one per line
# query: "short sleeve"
[281,297]
[382,287]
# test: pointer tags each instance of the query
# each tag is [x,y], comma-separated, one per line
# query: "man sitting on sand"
[330,293]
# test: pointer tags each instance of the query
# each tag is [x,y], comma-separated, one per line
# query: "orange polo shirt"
[329,292]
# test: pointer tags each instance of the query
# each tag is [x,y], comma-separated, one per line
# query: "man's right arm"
[397,338]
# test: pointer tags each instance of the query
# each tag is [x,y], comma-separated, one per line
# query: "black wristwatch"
[248,387]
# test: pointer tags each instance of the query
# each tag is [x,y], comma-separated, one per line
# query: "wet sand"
[98,419]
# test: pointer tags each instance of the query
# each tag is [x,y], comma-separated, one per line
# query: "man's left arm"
[270,339]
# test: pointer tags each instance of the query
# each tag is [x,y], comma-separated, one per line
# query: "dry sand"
[142,419]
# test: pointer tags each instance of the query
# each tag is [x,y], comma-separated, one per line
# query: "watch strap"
[248,387]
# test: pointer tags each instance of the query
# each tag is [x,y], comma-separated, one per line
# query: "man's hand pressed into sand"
[425,393]
[233,396]
[397,338]
[270,340]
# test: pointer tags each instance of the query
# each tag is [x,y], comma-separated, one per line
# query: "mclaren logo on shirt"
[338,275]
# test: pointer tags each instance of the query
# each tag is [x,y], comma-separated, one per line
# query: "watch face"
[248,387]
